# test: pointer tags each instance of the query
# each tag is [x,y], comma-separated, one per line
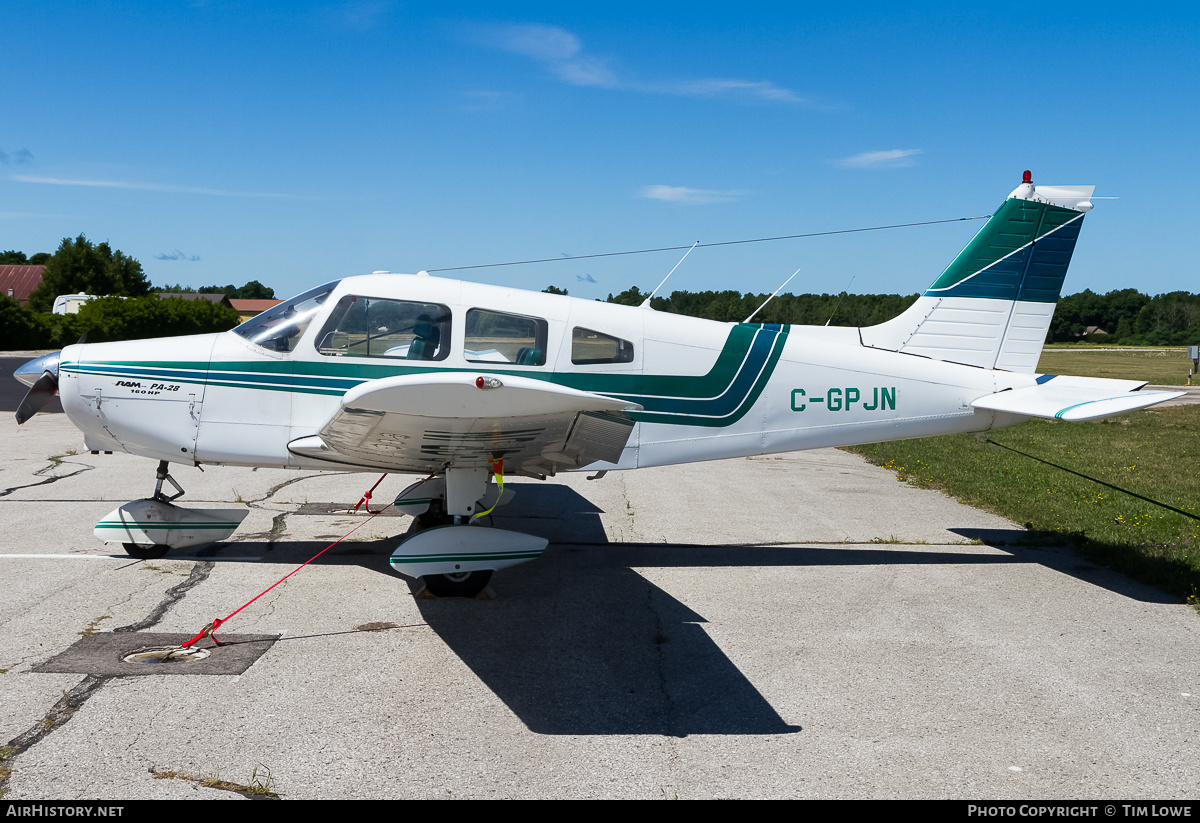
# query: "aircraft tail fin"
[993,304]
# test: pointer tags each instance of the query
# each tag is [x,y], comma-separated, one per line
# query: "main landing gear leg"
[453,553]
[464,488]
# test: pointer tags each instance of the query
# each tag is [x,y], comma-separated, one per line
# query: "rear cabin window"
[498,337]
[378,327]
[589,348]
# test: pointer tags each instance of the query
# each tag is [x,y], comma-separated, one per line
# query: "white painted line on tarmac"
[117,557]
[57,556]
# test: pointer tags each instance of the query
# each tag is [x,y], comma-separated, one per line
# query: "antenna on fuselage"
[646,302]
[772,297]
[839,302]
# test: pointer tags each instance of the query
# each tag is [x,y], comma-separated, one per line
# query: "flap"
[426,422]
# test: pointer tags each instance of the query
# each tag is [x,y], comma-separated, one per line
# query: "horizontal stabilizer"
[1074,398]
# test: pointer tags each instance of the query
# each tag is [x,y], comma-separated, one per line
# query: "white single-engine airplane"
[466,382]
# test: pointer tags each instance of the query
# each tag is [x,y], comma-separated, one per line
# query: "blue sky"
[294,143]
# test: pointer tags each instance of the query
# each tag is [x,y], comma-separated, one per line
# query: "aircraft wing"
[1074,398]
[426,422]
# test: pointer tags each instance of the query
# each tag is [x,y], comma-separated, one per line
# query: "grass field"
[1159,367]
[1124,491]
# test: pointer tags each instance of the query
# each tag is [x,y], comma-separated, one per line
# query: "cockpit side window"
[281,327]
[499,337]
[590,348]
[379,327]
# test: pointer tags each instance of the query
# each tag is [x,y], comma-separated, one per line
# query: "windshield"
[280,328]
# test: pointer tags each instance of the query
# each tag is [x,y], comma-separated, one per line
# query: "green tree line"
[1127,316]
[125,308]
[1130,318]
[798,309]
[251,291]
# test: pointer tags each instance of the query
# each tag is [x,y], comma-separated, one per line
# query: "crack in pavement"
[48,480]
[271,492]
[72,701]
[671,732]
[659,640]
[59,714]
[200,573]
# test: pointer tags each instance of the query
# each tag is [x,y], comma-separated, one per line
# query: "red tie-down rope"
[208,630]
[366,498]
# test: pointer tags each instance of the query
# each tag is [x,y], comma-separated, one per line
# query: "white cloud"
[177,255]
[586,71]
[759,90]
[559,50]
[549,43]
[890,159]
[117,184]
[689,197]
[563,54]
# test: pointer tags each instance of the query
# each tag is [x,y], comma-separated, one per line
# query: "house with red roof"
[251,308]
[18,282]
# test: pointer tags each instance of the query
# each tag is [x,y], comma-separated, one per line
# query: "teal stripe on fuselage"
[726,410]
[718,398]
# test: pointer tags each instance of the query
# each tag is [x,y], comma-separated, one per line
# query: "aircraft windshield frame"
[281,327]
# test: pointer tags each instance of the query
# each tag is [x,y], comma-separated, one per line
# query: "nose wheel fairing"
[151,522]
[148,527]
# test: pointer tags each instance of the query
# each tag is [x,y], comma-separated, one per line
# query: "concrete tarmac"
[801,626]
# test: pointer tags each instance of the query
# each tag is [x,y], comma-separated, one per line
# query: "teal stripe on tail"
[993,304]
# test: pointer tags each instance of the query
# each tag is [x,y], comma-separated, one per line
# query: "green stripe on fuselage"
[717,398]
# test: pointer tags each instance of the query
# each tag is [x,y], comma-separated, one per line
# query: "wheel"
[145,552]
[429,521]
[459,584]
[435,516]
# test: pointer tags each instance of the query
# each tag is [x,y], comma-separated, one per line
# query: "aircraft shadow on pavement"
[1023,547]
[579,643]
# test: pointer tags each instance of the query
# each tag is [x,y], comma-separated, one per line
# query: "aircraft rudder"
[991,307]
